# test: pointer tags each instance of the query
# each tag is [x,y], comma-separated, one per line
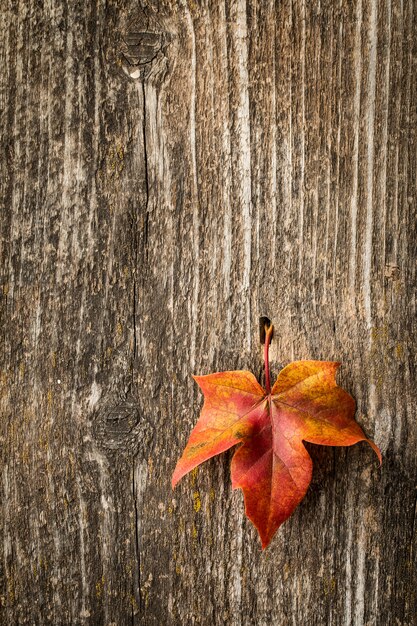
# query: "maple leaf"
[272,466]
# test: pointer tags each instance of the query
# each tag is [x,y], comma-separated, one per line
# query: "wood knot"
[144,53]
[119,425]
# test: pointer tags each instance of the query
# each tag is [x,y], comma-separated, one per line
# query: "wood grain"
[170,172]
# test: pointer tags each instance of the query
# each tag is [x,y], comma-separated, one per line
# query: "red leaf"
[272,466]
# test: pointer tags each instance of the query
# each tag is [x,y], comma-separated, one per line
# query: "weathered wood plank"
[170,172]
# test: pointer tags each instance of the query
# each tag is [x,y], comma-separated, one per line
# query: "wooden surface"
[169,173]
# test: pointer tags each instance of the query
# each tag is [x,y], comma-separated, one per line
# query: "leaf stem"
[269,331]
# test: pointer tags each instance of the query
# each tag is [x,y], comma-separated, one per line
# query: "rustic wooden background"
[169,173]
